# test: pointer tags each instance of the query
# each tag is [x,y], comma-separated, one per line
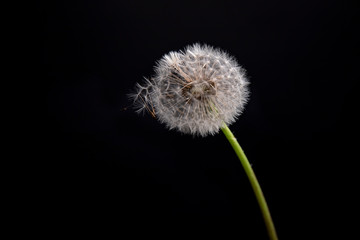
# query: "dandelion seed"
[195,91]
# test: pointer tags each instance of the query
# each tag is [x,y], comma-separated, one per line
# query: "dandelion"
[195,91]
[199,91]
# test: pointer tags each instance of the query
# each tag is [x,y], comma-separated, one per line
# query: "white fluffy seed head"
[194,91]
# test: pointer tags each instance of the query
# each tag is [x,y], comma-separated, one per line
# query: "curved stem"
[254,182]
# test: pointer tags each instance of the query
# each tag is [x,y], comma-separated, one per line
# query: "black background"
[107,164]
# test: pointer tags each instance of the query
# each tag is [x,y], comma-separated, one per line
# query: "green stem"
[254,182]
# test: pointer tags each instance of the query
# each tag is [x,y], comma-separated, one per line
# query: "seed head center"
[201,89]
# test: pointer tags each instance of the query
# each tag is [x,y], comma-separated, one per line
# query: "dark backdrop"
[105,163]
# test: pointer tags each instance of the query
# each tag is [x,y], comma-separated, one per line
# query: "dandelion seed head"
[194,91]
